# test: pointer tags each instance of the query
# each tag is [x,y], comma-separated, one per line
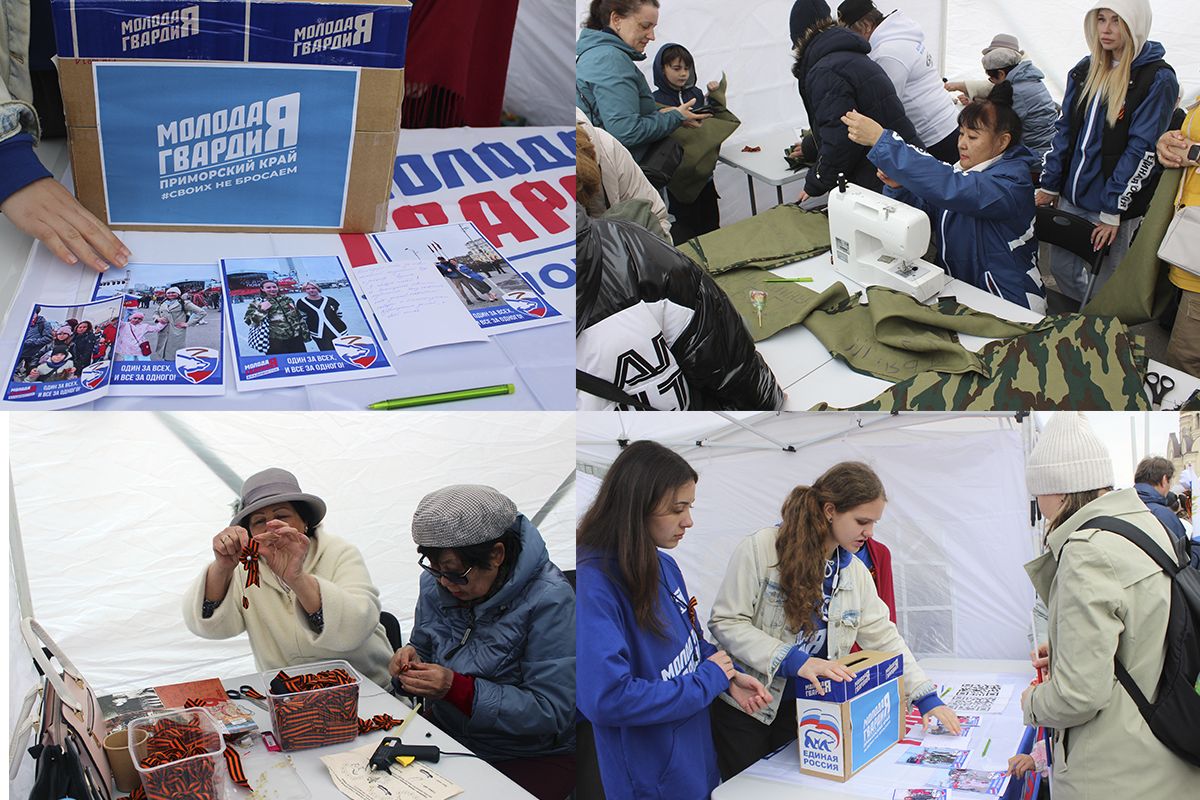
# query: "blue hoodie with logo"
[647,696]
[1075,171]
[982,220]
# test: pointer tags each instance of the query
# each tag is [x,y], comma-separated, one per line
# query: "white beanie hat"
[1068,458]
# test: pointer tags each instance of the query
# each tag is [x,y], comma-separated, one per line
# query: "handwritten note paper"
[415,306]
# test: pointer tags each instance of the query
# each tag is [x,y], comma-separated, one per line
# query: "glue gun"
[392,748]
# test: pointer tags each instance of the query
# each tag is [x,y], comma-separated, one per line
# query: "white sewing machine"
[878,241]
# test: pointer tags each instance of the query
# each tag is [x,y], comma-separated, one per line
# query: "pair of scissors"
[248,692]
[1159,385]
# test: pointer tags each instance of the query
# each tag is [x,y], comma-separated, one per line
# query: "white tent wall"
[541,67]
[749,41]
[957,520]
[117,515]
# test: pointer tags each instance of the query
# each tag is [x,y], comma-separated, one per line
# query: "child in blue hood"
[645,674]
[981,209]
[675,79]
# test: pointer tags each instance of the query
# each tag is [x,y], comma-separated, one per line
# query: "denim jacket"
[748,620]
[16,91]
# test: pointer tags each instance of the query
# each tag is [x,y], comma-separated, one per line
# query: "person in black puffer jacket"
[835,76]
[651,323]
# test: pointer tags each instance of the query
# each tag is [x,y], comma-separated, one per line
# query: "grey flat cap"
[462,515]
[273,486]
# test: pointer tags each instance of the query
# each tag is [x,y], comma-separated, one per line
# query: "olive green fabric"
[774,238]
[1076,363]
[892,337]
[701,147]
[1139,291]
[639,212]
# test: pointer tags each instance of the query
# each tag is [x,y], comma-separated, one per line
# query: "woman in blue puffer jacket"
[493,644]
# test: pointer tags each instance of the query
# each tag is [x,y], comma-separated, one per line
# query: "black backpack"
[1174,716]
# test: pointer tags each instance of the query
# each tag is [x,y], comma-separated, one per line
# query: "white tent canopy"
[117,516]
[957,519]
[749,42]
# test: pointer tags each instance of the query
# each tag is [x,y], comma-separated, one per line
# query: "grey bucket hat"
[273,486]
[462,515]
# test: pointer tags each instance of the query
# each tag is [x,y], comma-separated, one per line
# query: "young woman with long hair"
[1107,599]
[1101,164]
[645,674]
[794,600]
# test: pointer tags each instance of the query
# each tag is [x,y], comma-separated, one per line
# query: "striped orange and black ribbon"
[308,718]
[249,560]
[171,746]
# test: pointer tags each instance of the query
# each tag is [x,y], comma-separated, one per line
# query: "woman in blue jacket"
[981,209]
[1101,164]
[609,89]
[493,646]
[646,675]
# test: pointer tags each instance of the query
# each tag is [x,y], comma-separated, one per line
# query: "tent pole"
[787,448]
[554,499]
[17,553]
[205,453]
[945,29]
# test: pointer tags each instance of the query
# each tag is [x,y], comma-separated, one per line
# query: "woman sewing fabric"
[981,209]
[493,643]
[315,599]
[794,600]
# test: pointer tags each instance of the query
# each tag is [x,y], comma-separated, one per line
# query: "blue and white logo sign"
[358,351]
[195,364]
[225,144]
[93,374]
[527,302]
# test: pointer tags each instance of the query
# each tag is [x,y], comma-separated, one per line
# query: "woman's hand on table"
[49,213]
[946,716]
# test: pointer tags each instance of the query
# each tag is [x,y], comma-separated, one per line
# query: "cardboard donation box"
[854,722]
[233,115]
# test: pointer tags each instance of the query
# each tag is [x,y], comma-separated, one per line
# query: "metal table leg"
[779,194]
[753,205]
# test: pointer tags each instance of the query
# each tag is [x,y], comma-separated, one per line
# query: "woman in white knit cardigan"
[314,600]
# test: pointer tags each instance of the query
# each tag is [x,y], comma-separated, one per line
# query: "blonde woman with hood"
[1101,164]
[1106,599]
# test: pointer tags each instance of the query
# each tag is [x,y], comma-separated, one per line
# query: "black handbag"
[660,161]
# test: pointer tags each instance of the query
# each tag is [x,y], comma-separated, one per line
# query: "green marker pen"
[442,397]
[788,280]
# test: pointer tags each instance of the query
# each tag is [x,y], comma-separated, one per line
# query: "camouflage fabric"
[775,238]
[283,319]
[701,147]
[1139,291]
[1076,362]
